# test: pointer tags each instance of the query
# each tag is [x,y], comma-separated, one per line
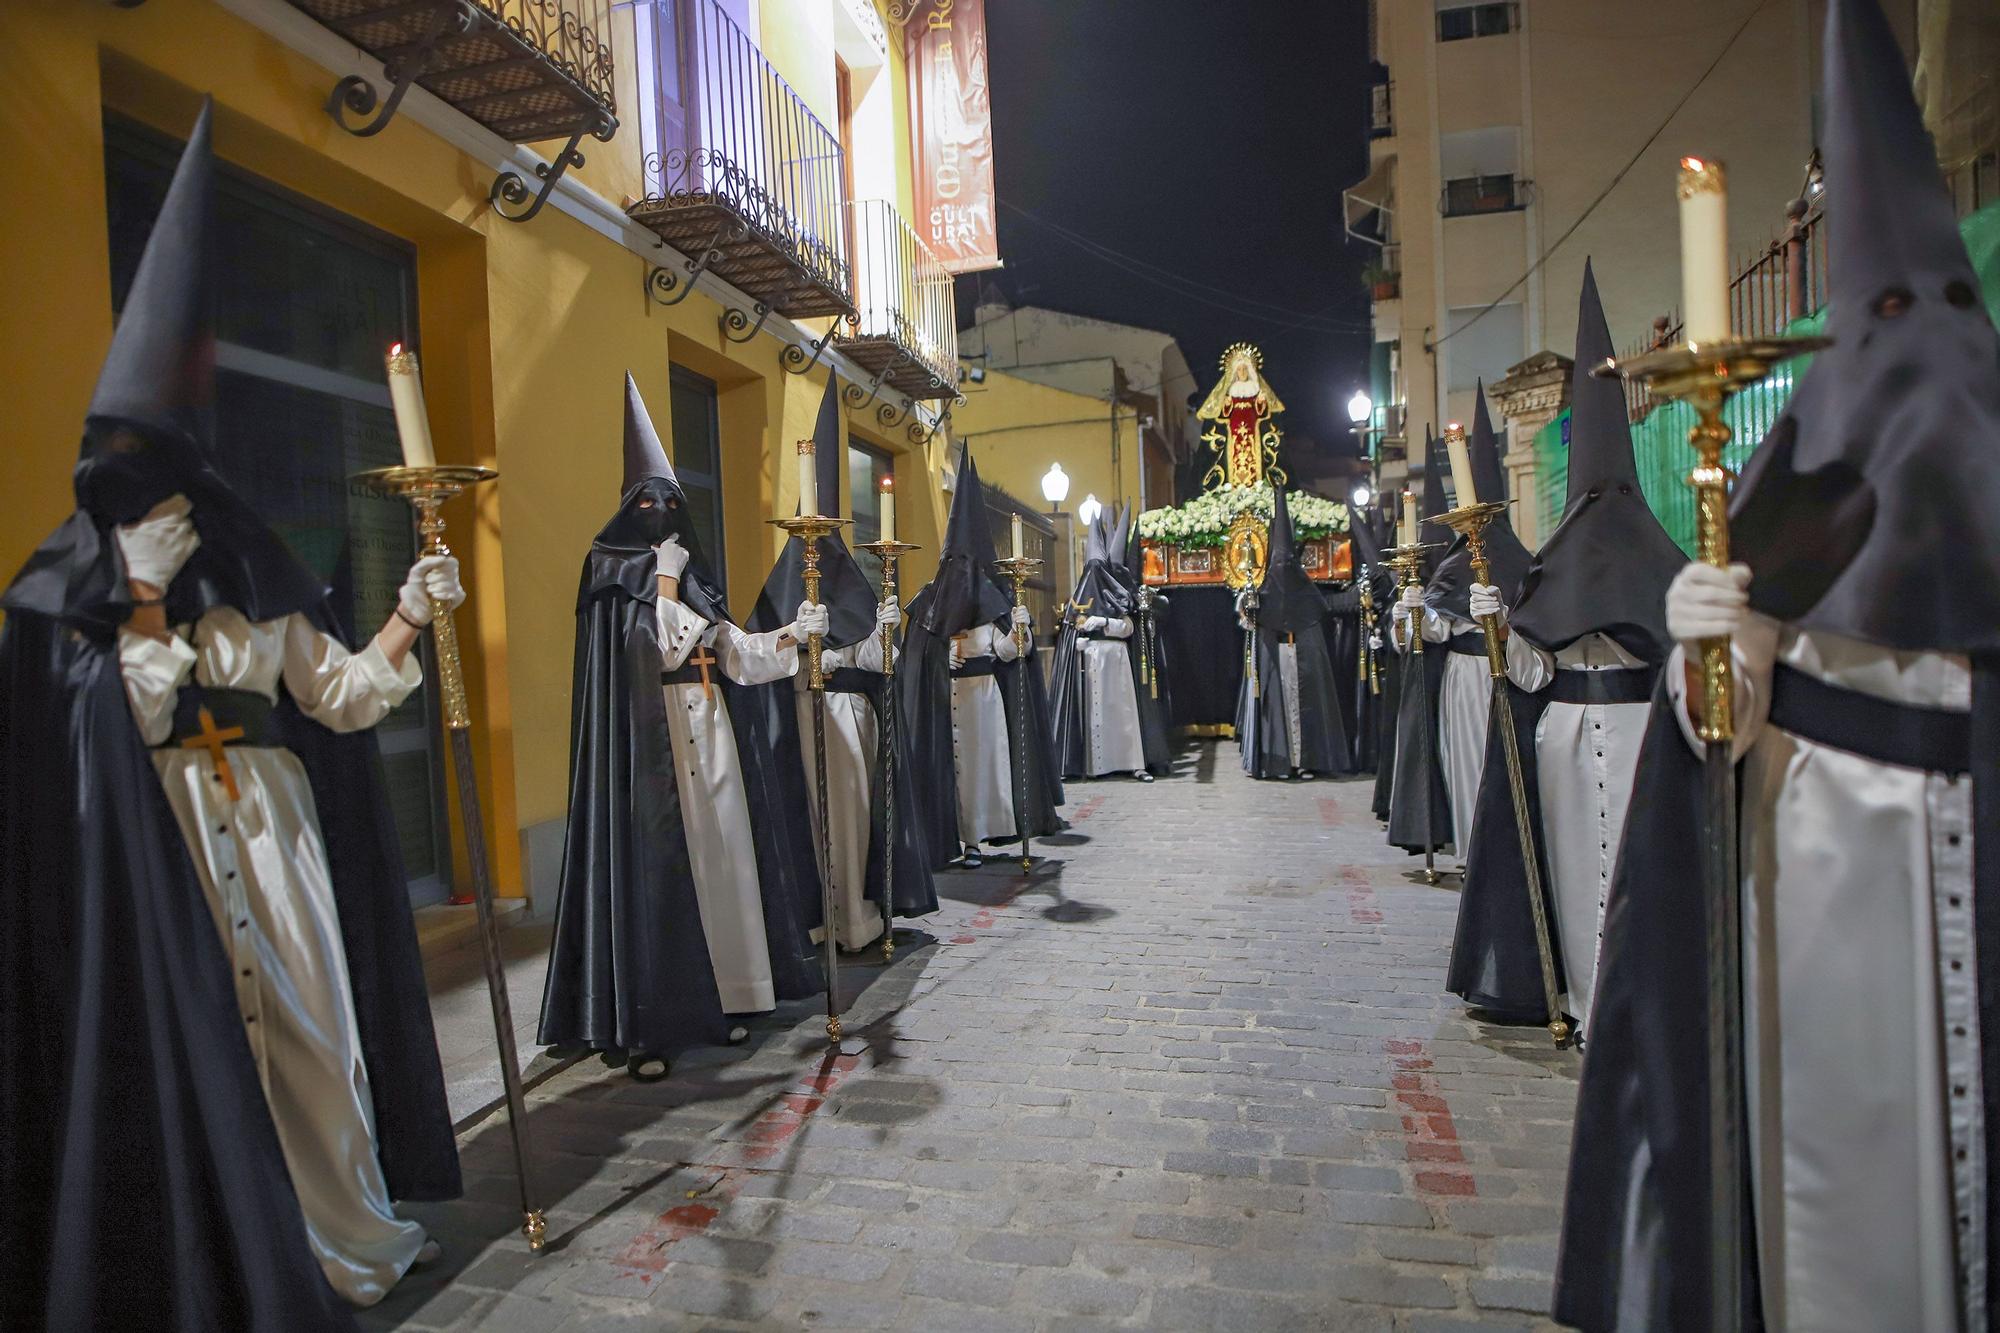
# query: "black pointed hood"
[651,509]
[843,589]
[1101,587]
[1287,601]
[1450,589]
[1606,568]
[1868,510]
[965,591]
[146,438]
[1365,559]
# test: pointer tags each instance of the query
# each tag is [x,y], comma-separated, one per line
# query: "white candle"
[888,509]
[1409,518]
[1461,464]
[406,396]
[1704,196]
[1017,536]
[808,479]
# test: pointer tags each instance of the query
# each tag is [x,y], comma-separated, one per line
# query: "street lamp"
[1359,408]
[1088,511]
[1362,495]
[1361,413]
[1055,487]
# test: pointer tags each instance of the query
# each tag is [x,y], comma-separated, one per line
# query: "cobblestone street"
[1198,1074]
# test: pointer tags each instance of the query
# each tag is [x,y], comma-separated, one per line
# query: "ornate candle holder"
[427,488]
[890,553]
[1469,522]
[1408,562]
[809,528]
[1019,569]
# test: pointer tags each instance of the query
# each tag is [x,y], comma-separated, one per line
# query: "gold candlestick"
[1019,569]
[890,553]
[427,488]
[809,528]
[1470,521]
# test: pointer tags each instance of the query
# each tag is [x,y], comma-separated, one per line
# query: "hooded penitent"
[1149,647]
[141,1143]
[1104,588]
[1606,567]
[1378,712]
[1506,559]
[1865,513]
[1288,714]
[1419,805]
[629,966]
[850,602]
[1605,570]
[965,593]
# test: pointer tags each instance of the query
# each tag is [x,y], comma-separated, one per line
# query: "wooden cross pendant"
[213,739]
[701,660]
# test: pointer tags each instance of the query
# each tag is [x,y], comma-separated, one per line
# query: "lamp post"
[1055,487]
[1361,419]
[1087,512]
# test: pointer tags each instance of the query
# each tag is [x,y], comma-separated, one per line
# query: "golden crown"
[1235,350]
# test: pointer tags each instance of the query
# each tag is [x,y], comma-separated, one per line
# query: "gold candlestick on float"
[1469,521]
[809,528]
[1408,562]
[890,552]
[1019,569]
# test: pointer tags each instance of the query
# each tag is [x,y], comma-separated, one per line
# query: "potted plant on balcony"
[1383,282]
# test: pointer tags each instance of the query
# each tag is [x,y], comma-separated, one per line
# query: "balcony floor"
[913,377]
[754,263]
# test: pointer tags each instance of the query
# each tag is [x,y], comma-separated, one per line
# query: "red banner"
[951,128]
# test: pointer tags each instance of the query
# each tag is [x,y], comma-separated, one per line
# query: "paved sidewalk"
[1198,1074]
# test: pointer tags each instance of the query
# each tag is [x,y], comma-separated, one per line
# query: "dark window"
[306,304]
[1463,21]
[697,446]
[865,470]
[1481,194]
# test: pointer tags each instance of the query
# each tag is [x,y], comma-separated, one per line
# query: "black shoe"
[641,1067]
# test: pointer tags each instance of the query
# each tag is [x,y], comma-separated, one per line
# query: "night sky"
[1211,141]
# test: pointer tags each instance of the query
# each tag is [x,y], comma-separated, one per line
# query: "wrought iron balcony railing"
[1382,106]
[905,327]
[741,177]
[1482,194]
[528,70]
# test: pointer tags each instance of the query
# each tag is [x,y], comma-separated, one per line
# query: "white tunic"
[1858,957]
[262,864]
[1111,739]
[1465,698]
[1585,759]
[981,750]
[851,733]
[714,809]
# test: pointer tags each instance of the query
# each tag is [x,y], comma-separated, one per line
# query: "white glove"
[160,544]
[812,619]
[889,612]
[1091,624]
[1484,600]
[433,578]
[1021,617]
[1375,642]
[1411,598]
[670,558]
[1704,602]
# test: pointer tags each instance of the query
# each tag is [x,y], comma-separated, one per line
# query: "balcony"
[905,330]
[1462,22]
[741,177]
[1470,195]
[1381,103]
[527,70]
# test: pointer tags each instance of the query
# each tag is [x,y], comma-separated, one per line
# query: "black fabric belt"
[691,675]
[976,666]
[1471,645]
[1935,740]
[1098,634]
[1617,685]
[851,680]
[230,710]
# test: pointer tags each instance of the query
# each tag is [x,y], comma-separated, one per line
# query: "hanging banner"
[951,128]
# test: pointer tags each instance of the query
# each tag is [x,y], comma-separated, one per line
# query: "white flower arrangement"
[1205,520]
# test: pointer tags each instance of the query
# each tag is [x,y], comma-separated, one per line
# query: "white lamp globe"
[1359,408]
[1055,484]
[1089,509]
[1362,495]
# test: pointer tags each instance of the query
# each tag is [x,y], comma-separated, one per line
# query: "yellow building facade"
[526,329]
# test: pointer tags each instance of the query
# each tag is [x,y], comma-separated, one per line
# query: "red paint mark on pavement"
[1429,1134]
[1330,813]
[1361,908]
[649,1252]
[1087,809]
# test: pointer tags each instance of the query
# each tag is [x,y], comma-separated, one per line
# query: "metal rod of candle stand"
[428,501]
[1021,669]
[887,749]
[829,941]
[1424,720]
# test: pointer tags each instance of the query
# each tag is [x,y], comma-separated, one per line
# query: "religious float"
[1221,536]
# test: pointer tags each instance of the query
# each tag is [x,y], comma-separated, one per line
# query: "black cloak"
[1369,534]
[1103,589]
[1450,588]
[963,594]
[1888,458]
[1419,804]
[850,601]
[628,965]
[1156,727]
[1289,609]
[141,1154]
[1604,570]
